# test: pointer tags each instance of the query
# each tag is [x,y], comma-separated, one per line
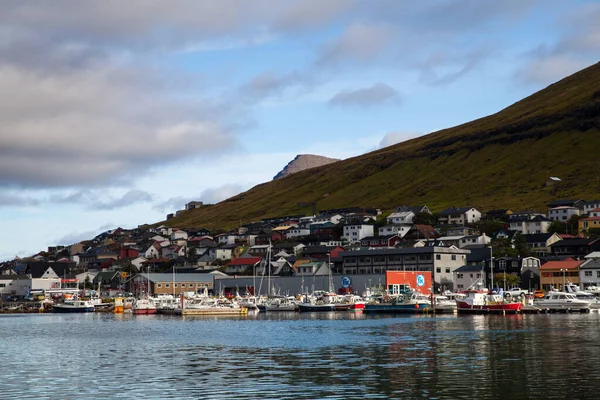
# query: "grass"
[500,161]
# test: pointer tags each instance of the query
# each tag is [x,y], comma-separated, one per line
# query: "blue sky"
[115,114]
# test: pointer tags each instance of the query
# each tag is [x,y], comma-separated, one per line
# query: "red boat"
[350,303]
[483,302]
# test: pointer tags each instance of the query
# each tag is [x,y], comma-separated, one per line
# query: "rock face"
[302,162]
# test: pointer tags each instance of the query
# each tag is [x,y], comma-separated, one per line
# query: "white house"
[154,251]
[563,213]
[297,232]
[389,230]
[468,276]
[590,205]
[355,231]
[402,217]
[589,273]
[14,285]
[528,225]
[459,216]
[178,234]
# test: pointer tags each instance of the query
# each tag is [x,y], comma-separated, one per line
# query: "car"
[538,294]
[516,292]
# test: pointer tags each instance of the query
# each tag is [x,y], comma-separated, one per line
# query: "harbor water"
[299,356]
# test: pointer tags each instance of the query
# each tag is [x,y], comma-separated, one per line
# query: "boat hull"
[316,307]
[212,311]
[65,310]
[350,307]
[144,311]
[508,308]
[397,308]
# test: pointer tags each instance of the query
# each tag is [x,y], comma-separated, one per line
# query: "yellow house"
[588,223]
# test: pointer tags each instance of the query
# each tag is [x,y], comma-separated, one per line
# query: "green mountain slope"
[500,161]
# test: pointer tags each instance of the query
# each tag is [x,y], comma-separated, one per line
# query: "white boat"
[280,304]
[562,301]
[595,290]
[583,295]
[250,302]
[444,304]
[144,306]
[74,306]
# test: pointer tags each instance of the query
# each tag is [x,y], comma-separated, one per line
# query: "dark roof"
[469,268]
[591,264]
[414,209]
[455,210]
[479,253]
[384,237]
[537,237]
[574,242]
[558,203]
[398,250]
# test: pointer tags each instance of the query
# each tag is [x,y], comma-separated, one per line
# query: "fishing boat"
[144,306]
[408,302]
[350,302]
[322,301]
[74,306]
[280,304]
[484,302]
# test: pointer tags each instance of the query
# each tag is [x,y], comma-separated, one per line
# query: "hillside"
[500,161]
[303,162]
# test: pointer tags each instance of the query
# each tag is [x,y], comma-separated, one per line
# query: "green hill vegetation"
[500,161]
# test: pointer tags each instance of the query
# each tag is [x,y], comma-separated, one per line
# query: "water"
[299,356]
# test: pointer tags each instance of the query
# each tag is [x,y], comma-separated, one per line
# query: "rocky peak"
[302,162]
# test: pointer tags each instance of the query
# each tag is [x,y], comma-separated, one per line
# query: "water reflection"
[299,356]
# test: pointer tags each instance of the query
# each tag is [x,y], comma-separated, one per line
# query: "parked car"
[516,292]
[538,294]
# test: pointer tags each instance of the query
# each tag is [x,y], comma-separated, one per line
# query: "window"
[447,270]
[167,285]
[438,256]
[159,285]
[598,274]
[459,276]
[588,273]
[174,285]
[2,284]
[453,257]
[438,270]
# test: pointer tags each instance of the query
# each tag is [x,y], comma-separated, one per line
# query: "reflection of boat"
[410,302]
[481,301]
[562,301]
[74,306]
[143,306]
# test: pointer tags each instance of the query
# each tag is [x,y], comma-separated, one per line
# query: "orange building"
[398,281]
[555,274]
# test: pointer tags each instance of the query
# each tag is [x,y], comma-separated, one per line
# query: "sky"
[116,113]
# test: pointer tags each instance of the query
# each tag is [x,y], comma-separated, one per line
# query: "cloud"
[376,94]
[393,138]
[76,237]
[13,200]
[270,83]
[208,196]
[131,197]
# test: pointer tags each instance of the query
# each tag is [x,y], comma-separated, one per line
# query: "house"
[467,277]
[590,205]
[576,203]
[225,252]
[167,283]
[322,252]
[460,216]
[555,274]
[529,223]
[589,273]
[380,241]
[552,181]
[14,286]
[415,209]
[585,224]
[110,282]
[576,247]
[391,230]
[153,251]
[243,265]
[562,213]
[460,230]
[293,248]
[539,243]
[296,232]
[420,231]
[400,218]
[179,234]
[498,215]
[355,230]
[311,268]
[530,273]
[193,204]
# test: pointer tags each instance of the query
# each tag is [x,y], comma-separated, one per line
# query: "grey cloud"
[208,196]
[15,200]
[132,197]
[393,138]
[376,94]
[76,237]
[269,83]
[307,14]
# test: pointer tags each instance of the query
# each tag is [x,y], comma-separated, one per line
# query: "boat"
[209,306]
[144,306]
[595,290]
[250,302]
[166,304]
[74,306]
[350,302]
[445,303]
[562,301]
[407,302]
[280,304]
[322,302]
[484,302]
[583,295]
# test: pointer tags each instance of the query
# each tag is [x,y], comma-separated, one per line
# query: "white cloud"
[376,94]
[393,138]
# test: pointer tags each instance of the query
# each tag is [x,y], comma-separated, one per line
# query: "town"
[461,247]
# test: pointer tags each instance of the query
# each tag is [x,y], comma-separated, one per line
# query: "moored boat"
[483,302]
[144,306]
[74,306]
[562,301]
[350,302]
[410,302]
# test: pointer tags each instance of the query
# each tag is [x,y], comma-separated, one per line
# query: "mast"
[268,265]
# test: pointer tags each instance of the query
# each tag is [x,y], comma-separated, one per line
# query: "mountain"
[499,161]
[303,162]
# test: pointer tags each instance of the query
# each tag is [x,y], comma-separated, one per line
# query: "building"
[590,205]
[354,231]
[592,222]
[555,274]
[575,247]
[440,261]
[589,273]
[168,283]
[380,241]
[459,216]
[539,243]
[398,282]
[14,286]
[193,204]
[562,213]
[468,277]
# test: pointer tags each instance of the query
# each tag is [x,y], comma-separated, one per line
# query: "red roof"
[245,261]
[569,263]
[590,219]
